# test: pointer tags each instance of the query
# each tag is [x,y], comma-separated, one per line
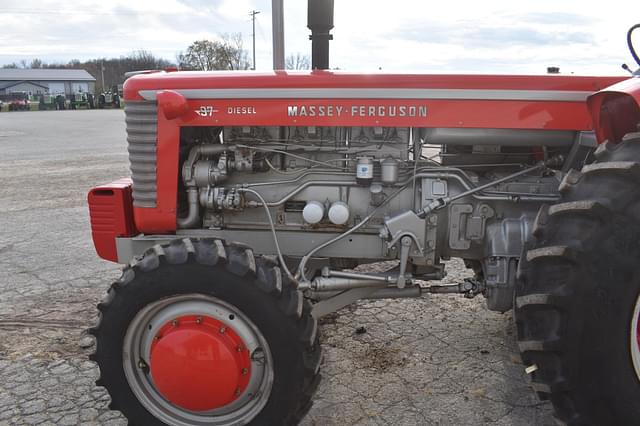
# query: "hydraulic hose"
[630,43]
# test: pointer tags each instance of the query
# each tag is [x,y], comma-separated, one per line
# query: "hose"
[283,265]
[630,43]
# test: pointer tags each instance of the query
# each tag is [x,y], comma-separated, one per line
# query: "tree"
[224,54]
[36,63]
[200,55]
[145,60]
[234,53]
[297,61]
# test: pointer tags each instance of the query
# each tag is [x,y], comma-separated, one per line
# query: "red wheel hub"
[198,363]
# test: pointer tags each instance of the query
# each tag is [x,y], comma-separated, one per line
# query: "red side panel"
[111,214]
[615,111]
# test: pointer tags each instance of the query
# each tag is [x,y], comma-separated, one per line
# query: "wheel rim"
[635,338]
[195,359]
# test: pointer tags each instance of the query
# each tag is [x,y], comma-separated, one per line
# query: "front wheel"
[202,332]
[578,297]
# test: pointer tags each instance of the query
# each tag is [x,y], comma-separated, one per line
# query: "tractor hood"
[280,98]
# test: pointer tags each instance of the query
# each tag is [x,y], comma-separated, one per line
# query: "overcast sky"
[581,37]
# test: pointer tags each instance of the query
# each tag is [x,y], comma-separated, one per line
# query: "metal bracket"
[405,247]
[343,299]
[457,238]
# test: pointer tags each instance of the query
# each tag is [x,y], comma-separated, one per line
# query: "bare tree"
[233,50]
[297,61]
[36,63]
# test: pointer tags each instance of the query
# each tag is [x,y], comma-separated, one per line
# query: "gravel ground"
[439,360]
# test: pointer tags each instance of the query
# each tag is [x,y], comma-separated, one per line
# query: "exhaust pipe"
[277,23]
[320,22]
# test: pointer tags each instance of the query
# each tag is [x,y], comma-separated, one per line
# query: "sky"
[461,36]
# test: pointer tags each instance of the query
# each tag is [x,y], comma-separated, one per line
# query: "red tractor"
[16,101]
[252,195]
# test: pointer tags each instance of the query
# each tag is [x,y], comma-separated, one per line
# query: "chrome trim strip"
[374,93]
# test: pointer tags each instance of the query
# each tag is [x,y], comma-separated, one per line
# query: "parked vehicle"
[16,101]
[109,99]
[82,100]
[250,195]
[50,102]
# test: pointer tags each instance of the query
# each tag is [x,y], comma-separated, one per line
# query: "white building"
[40,81]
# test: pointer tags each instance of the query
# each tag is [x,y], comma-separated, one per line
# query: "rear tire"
[578,286]
[253,286]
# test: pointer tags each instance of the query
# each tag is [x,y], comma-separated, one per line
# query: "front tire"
[578,295]
[199,285]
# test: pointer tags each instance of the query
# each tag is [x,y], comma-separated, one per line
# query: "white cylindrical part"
[339,213]
[313,212]
[364,170]
[389,168]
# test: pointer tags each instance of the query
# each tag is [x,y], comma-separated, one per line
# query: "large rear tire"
[244,302]
[577,299]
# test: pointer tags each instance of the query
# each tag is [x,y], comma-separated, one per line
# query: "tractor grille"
[142,125]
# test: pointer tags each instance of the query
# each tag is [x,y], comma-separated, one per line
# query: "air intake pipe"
[320,22]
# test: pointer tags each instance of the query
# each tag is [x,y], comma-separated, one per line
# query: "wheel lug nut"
[174,323]
[244,371]
[198,320]
[223,329]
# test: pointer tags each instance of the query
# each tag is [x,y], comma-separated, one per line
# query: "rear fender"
[615,111]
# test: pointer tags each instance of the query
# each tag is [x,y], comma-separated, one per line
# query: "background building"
[52,81]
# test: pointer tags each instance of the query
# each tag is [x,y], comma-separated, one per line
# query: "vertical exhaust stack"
[320,22]
[277,22]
